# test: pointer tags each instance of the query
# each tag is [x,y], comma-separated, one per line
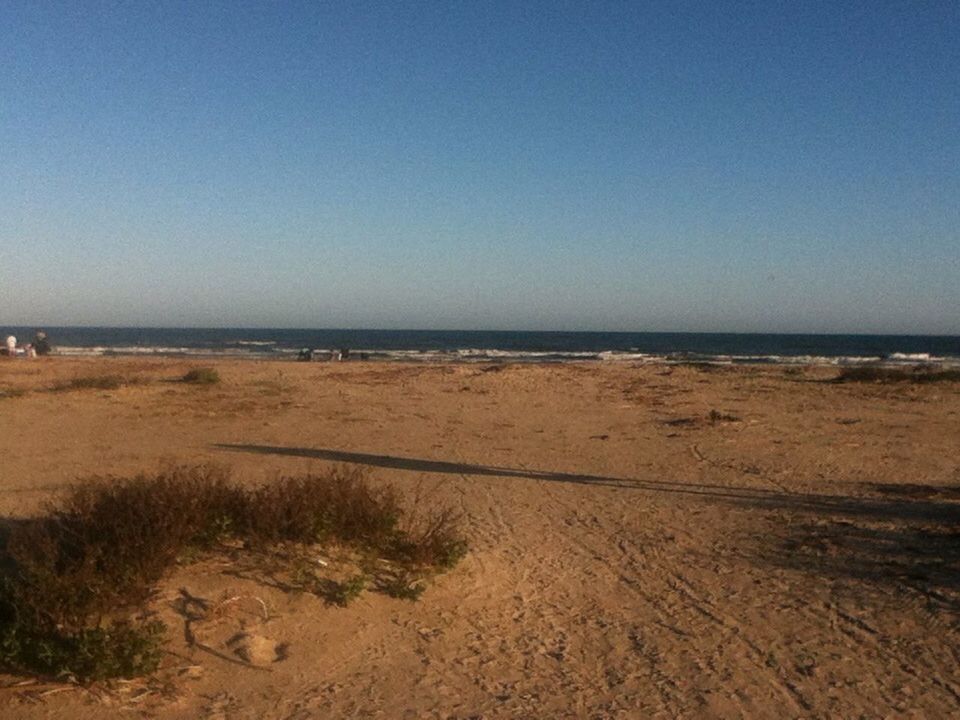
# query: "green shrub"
[109,541]
[122,650]
[345,592]
[202,376]
[402,586]
[71,580]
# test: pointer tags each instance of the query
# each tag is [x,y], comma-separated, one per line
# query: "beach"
[656,540]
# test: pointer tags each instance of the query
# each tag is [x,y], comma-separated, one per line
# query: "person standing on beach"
[41,344]
[11,346]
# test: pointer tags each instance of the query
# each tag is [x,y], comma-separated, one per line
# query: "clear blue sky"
[742,166]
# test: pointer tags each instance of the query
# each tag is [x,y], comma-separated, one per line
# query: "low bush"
[436,542]
[99,653]
[401,585]
[345,592]
[71,581]
[202,376]
[339,507]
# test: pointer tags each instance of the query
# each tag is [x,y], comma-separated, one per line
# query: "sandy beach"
[645,541]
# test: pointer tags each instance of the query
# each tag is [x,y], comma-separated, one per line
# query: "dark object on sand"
[878,374]
[202,376]
[305,355]
[41,344]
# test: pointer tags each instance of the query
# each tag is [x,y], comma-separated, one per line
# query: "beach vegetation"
[715,416]
[123,650]
[201,376]
[339,592]
[94,382]
[402,585]
[346,591]
[75,583]
[436,541]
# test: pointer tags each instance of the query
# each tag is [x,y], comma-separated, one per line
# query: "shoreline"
[896,360]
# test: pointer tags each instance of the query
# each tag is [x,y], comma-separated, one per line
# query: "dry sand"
[629,557]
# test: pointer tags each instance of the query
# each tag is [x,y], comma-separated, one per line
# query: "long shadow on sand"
[924,558]
[896,536]
[875,508]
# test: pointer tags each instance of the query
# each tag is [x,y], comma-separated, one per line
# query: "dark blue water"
[487,345]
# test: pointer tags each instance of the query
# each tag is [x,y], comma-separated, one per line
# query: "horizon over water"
[502,345]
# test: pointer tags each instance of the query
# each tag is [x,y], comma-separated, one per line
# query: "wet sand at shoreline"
[652,541]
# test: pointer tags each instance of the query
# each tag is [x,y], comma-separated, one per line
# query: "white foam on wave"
[159,350]
[909,357]
[623,356]
[264,349]
[478,352]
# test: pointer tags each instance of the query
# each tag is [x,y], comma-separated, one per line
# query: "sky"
[691,166]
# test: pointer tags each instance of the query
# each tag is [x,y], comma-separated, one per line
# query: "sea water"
[505,346]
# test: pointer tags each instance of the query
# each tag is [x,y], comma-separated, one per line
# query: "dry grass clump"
[338,507]
[202,376]
[715,416]
[435,542]
[94,382]
[879,374]
[72,582]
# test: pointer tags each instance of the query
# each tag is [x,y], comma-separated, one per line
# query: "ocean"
[503,346]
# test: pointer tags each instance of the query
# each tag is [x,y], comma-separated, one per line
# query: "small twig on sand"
[697,454]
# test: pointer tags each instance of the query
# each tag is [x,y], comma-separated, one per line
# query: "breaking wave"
[267,350]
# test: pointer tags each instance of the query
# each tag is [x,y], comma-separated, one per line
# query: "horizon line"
[37,326]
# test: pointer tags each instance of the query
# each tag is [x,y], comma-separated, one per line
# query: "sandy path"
[630,558]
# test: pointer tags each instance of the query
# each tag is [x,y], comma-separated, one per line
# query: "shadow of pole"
[874,508]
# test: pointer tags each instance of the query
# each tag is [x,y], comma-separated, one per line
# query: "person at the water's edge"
[41,344]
